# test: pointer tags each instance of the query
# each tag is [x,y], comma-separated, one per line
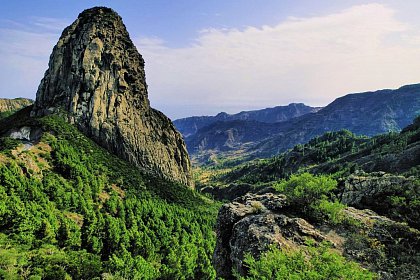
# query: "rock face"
[253,222]
[387,194]
[96,79]
[250,224]
[362,187]
[12,105]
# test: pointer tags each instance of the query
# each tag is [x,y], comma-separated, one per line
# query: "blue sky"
[203,57]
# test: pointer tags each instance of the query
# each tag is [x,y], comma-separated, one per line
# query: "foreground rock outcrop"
[254,222]
[394,196]
[250,224]
[96,80]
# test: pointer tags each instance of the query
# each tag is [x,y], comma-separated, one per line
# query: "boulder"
[250,225]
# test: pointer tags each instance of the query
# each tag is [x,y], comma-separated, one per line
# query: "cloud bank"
[311,60]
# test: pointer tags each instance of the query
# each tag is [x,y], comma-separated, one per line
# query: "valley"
[97,184]
[369,114]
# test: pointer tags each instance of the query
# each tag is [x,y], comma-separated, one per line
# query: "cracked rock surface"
[251,224]
[96,79]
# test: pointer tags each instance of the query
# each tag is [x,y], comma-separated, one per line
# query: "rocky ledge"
[254,222]
[11,105]
[251,224]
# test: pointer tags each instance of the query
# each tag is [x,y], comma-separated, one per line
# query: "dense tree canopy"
[69,209]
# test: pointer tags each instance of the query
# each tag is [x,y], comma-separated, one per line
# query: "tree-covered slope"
[340,151]
[367,113]
[71,210]
[379,173]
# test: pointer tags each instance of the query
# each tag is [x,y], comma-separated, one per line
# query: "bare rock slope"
[96,79]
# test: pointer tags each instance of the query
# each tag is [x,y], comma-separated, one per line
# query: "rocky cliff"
[251,224]
[8,106]
[96,79]
[391,195]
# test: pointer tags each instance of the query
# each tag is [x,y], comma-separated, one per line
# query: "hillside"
[189,126]
[69,207]
[342,152]
[9,106]
[368,113]
[96,184]
[269,197]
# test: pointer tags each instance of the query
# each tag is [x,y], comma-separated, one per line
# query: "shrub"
[304,189]
[312,263]
[332,210]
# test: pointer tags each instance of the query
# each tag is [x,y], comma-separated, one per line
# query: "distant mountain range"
[367,113]
[189,126]
[339,150]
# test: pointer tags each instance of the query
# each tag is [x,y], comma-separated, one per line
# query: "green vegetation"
[327,148]
[389,247]
[398,202]
[305,189]
[6,114]
[310,263]
[313,197]
[339,153]
[7,144]
[71,210]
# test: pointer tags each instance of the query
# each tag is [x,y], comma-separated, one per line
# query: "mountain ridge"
[190,125]
[9,106]
[367,113]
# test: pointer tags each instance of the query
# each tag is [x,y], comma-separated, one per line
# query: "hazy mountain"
[368,113]
[190,125]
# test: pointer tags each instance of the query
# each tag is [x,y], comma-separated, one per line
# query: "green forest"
[71,210]
[339,153]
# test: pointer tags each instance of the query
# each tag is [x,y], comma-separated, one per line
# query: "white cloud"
[48,23]
[24,52]
[311,60]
